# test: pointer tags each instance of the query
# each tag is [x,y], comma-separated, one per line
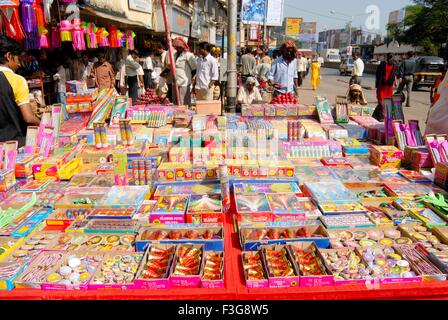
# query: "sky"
[319,10]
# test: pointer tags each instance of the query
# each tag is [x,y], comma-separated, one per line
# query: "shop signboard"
[308,31]
[180,22]
[141,5]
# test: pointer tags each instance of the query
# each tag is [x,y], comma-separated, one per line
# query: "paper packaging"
[213,284]
[35,264]
[417,278]
[386,157]
[179,235]
[204,209]
[280,282]
[441,175]
[257,284]
[345,282]
[64,262]
[251,240]
[193,281]
[150,284]
[110,255]
[8,284]
[169,209]
[310,281]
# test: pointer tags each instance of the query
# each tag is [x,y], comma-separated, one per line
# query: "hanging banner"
[253,32]
[253,11]
[275,13]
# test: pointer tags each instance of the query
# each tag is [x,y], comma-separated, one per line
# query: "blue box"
[252,245]
[28,226]
[141,243]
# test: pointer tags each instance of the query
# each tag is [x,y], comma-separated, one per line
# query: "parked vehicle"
[346,67]
[428,69]
[331,55]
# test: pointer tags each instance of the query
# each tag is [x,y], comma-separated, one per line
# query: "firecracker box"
[386,157]
[24,165]
[75,86]
[276,281]
[7,179]
[441,175]
[421,158]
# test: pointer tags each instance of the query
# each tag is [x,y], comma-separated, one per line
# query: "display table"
[235,287]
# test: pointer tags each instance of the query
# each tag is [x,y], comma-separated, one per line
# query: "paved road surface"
[332,85]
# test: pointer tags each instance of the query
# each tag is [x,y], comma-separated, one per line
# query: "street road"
[333,84]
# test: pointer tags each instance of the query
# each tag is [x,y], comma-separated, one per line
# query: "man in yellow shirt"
[15,109]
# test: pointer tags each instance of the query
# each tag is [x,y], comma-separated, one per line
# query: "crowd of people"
[284,73]
[197,74]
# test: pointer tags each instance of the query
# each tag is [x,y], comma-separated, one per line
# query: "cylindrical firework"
[141,172]
[296,132]
[135,172]
[289,131]
[148,171]
[97,134]
[103,133]
[225,187]
[124,140]
[129,133]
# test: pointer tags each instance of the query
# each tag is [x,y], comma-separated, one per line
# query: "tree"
[425,25]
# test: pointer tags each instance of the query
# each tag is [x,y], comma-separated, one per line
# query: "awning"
[121,22]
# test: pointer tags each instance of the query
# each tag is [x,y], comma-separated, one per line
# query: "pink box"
[280,282]
[310,281]
[167,218]
[163,283]
[401,280]
[255,284]
[217,284]
[187,281]
[288,217]
[316,281]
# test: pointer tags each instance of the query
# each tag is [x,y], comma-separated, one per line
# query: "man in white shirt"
[358,69]
[148,68]
[185,69]
[82,69]
[301,68]
[207,74]
[249,93]
[132,67]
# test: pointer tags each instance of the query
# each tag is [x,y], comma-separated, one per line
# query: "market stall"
[286,201]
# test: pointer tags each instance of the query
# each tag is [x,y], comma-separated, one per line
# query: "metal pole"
[231,56]
[170,52]
[265,21]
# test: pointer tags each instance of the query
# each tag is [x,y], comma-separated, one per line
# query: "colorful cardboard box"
[386,157]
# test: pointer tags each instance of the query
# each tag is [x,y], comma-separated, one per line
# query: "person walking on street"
[249,64]
[315,74]
[132,67]
[308,66]
[283,75]
[406,74]
[103,72]
[185,68]
[301,68]
[207,73]
[385,79]
[358,69]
